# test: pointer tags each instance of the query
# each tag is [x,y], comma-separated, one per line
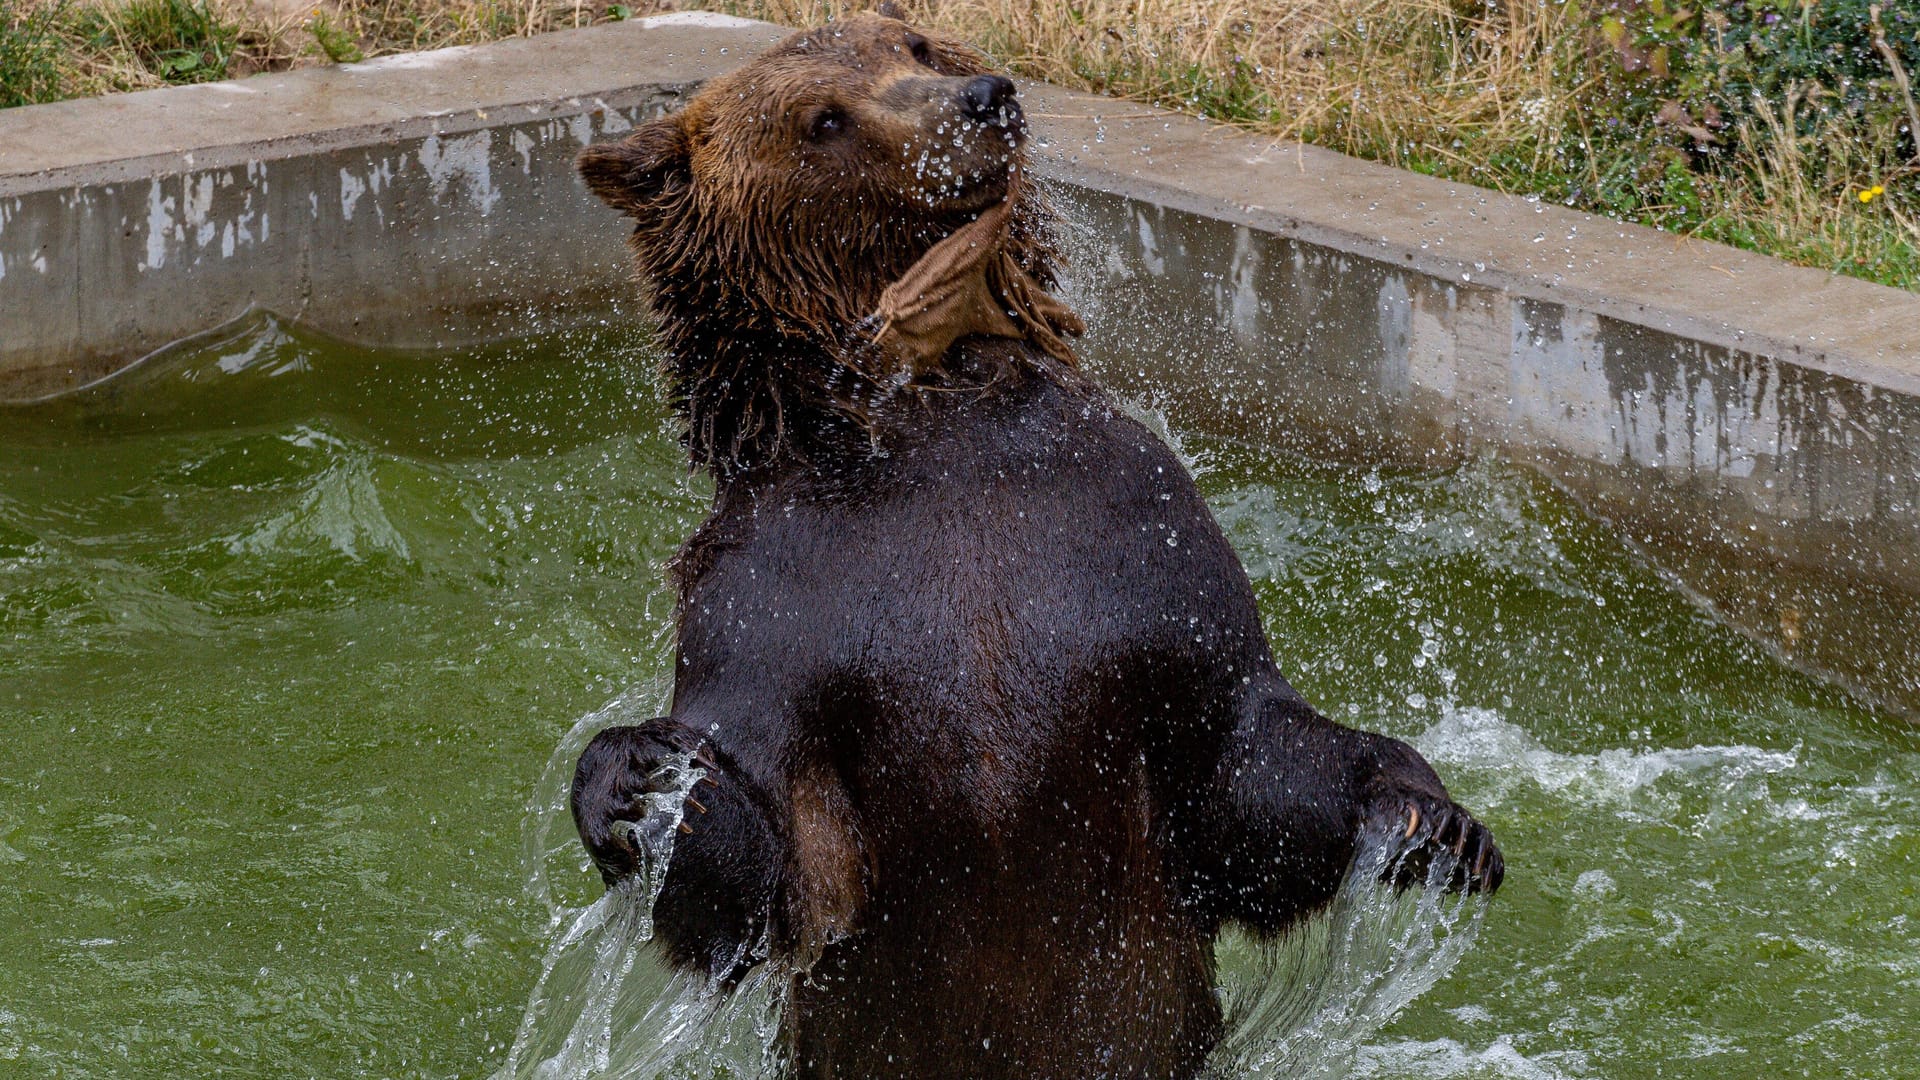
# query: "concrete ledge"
[123,137]
[418,200]
[1755,425]
[1483,241]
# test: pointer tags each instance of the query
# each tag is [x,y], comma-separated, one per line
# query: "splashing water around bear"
[601,1007]
[1303,1006]
[604,1008]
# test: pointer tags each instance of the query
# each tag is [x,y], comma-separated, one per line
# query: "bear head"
[823,222]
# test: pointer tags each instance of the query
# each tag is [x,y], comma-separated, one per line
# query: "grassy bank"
[1781,126]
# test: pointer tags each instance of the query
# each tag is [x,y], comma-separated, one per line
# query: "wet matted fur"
[993,740]
[774,211]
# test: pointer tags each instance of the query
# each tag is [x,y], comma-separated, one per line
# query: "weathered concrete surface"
[1784,496]
[417,200]
[1756,426]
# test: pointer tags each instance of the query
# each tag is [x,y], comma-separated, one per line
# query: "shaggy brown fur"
[773,213]
[993,742]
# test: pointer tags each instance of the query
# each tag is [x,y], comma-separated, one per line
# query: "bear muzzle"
[989,100]
[948,107]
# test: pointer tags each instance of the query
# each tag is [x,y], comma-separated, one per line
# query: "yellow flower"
[1866,196]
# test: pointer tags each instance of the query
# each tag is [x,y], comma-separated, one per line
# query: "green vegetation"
[335,40]
[56,49]
[30,54]
[1780,126]
[177,40]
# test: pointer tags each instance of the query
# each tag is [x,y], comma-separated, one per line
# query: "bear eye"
[921,51]
[827,122]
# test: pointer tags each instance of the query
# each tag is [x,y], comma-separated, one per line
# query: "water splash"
[1486,743]
[1448,1059]
[1305,1005]
[601,1007]
[546,811]
[604,1006]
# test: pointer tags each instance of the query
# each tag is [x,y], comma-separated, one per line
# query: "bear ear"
[890,10]
[631,174]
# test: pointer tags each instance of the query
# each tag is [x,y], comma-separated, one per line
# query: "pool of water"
[289,632]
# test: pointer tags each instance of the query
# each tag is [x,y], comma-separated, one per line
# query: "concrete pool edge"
[1704,399]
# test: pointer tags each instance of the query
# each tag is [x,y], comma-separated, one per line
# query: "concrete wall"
[419,200]
[1755,426]
[1784,496]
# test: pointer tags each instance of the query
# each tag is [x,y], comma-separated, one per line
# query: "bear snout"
[989,100]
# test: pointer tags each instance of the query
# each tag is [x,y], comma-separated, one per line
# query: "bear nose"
[985,96]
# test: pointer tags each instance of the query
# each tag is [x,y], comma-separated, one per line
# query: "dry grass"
[1519,95]
[1797,195]
[108,46]
[1372,77]
[1514,96]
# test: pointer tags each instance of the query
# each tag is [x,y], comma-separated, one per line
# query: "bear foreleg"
[1271,836]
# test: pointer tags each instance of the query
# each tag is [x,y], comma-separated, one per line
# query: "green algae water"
[290,633]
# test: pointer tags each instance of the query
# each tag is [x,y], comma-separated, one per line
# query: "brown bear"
[994,743]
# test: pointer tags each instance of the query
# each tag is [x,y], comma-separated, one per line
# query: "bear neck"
[760,383]
[753,386]
[774,353]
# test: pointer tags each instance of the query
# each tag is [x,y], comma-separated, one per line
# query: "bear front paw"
[625,788]
[1433,841]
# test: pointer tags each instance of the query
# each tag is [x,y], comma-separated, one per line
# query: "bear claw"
[620,774]
[1476,863]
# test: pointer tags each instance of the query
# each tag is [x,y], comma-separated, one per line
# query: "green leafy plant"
[336,42]
[186,41]
[1681,194]
[180,41]
[1702,73]
[30,47]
